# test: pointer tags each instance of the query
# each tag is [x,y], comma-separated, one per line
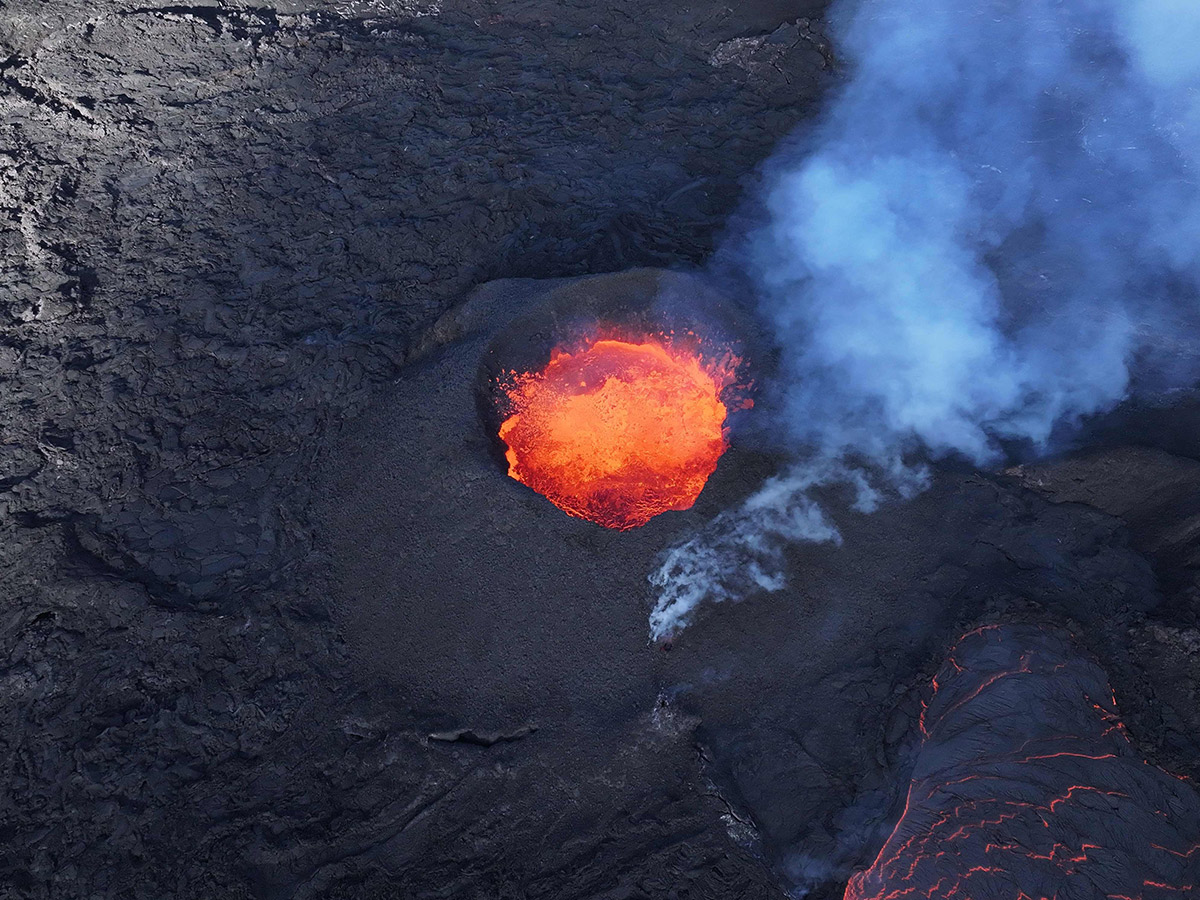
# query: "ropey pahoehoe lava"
[617,427]
[1027,787]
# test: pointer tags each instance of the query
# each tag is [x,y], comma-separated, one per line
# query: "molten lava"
[618,430]
[1026,787]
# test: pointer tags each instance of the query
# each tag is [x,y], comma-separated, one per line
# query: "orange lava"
[618,431]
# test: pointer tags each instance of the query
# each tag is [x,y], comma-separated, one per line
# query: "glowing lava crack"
[616,430]
[1026,787]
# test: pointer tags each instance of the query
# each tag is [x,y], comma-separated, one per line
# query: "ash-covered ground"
[278,625]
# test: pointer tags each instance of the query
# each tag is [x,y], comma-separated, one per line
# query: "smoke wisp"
[993,232]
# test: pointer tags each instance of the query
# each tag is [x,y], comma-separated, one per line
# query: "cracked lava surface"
[1026,787]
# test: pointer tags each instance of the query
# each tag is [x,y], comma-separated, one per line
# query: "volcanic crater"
[616,398]
[281,625]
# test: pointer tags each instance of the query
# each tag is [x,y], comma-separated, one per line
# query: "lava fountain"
[618,428]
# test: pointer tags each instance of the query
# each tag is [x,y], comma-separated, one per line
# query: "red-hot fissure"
[1026,788]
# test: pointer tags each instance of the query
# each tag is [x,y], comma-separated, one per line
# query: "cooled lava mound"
[1026,787]
[617,431]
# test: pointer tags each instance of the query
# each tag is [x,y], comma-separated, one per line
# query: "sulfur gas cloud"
[992,233]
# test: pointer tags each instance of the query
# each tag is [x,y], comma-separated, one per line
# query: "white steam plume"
[994,231]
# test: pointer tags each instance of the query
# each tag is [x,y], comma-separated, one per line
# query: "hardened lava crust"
[276,624]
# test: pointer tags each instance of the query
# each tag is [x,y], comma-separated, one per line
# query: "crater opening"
[615,405]
[617,430]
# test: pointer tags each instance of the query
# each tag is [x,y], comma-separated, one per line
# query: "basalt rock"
[1025,784]
[237,235]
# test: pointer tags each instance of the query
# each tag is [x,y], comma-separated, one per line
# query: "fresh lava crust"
[618,429]
[1026,787]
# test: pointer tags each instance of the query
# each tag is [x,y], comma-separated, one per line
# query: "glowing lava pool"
[618,429]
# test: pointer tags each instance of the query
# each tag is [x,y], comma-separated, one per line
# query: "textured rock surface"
[229,230]
[1025,784]
[1153,488]
[227,221]
[223,223]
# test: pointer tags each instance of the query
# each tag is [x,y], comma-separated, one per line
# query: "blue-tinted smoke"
[994,232]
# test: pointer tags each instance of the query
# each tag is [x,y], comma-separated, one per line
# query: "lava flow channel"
[618,430]
[1026,787]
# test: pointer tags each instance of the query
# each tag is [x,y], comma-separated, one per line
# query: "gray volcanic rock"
[239,241]
[1154,492]
[477,604]
[225,224]
[1156,495]
[227,221]
[1025,784]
